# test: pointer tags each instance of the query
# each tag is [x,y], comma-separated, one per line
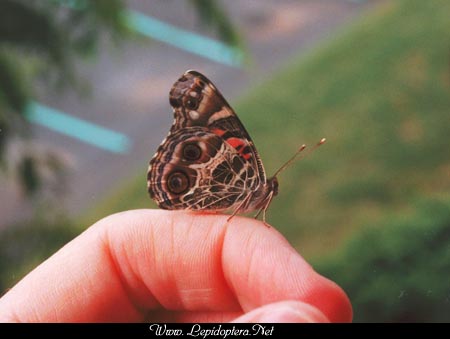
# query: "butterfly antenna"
[299,151]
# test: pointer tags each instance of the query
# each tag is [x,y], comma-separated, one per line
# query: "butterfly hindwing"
[195,169]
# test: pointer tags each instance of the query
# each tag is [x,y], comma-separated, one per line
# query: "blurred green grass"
[396,270]
[380,94]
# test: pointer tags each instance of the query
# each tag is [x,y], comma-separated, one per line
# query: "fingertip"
[331,300]
[342,310]
[268,262]
[284,312]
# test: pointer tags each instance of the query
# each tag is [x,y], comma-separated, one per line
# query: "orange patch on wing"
[218,131]
[239,146]
[246,156]
[236,142]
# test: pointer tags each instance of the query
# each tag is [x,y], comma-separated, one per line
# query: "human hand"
[160,266]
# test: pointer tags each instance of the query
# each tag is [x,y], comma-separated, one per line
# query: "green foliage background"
[397,269]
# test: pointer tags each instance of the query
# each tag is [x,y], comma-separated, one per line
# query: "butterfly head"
[273,185]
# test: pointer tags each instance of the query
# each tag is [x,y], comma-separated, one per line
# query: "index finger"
[139,261]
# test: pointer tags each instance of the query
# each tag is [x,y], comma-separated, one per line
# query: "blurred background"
[84,104]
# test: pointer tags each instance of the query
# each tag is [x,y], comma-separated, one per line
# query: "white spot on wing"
[223,113]
[194,115]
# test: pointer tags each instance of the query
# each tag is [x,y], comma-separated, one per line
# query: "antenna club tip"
[322,141]
[302,147]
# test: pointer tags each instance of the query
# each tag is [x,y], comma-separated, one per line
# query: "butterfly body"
[208,161]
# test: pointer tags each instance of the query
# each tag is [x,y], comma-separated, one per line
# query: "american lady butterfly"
[208,162]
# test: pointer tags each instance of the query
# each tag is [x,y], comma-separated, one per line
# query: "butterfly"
[208,162]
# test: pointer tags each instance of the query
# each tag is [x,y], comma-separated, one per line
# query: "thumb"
[283,312]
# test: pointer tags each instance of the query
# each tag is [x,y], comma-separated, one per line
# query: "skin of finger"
[192,316]
[76,284]
[135,261]
[210,255]
[269,275]
[112,272]
[283,312]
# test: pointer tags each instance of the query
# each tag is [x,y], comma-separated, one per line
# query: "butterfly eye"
[191,103]
[192,152]
[178,182]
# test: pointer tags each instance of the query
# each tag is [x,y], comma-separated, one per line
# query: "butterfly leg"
[264,209]
[242,204]
[259,212]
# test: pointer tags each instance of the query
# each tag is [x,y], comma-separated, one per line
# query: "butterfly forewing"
[197,102]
